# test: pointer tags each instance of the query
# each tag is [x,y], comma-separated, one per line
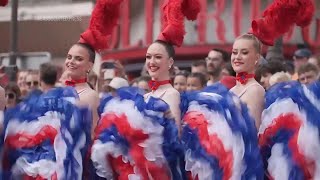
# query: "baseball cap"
[303,53]
[118,82]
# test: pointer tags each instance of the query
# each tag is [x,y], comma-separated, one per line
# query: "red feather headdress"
[103,20]
[174,12]
[280,16]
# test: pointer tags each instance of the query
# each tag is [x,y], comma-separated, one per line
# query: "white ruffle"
[153,145]
[153,149]
[280,107]
[278,165]
[60,149]
[135,117]
[45,168]
[308,143]
[51,118]
[217,124]
[212,96]
[198,167]
[134,177]
[100,152]
[72,122]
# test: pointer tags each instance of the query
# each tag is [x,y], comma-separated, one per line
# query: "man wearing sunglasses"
[13,95]
[32,82]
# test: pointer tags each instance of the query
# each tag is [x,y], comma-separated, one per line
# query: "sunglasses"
[10,95]
[34,83]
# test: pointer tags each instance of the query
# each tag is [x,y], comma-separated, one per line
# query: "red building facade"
[219,22]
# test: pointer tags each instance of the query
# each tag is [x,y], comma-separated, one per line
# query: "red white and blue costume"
[289,133]
[219,137]
[46,137]
[135,139]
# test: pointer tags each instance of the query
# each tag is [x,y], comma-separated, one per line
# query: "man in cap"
[116,83]
[300,57]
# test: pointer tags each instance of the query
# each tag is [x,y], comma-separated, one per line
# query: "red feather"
[173,31]
[174,12]
[191,9]
[279,18]
[305,14]
[3,2]
[103,20]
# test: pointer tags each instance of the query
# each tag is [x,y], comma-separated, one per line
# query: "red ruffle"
[134,136]
[191,9]
[103,20]
[292,122]
[3,2]
[121,169]
[211,143]
[38,177]
[287,121]
[279,18]
[24,140]
[105,122]
[306,166]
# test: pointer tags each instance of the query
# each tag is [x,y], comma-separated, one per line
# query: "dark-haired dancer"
[78,64]
[159,60]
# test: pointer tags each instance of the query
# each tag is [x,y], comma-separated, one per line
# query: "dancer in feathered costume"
[46,137]
[81,56]
[137,136]
[289,134]
[219,136]
[135,139]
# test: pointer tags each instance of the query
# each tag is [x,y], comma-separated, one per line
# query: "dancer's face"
[158,62]
[77,63]
[244,56]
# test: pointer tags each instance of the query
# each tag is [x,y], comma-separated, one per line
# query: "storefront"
[219,22]
[55,28]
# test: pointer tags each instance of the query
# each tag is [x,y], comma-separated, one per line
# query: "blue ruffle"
[282,90]
[171,146]
[315,88]
[296,92]
[112,135]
